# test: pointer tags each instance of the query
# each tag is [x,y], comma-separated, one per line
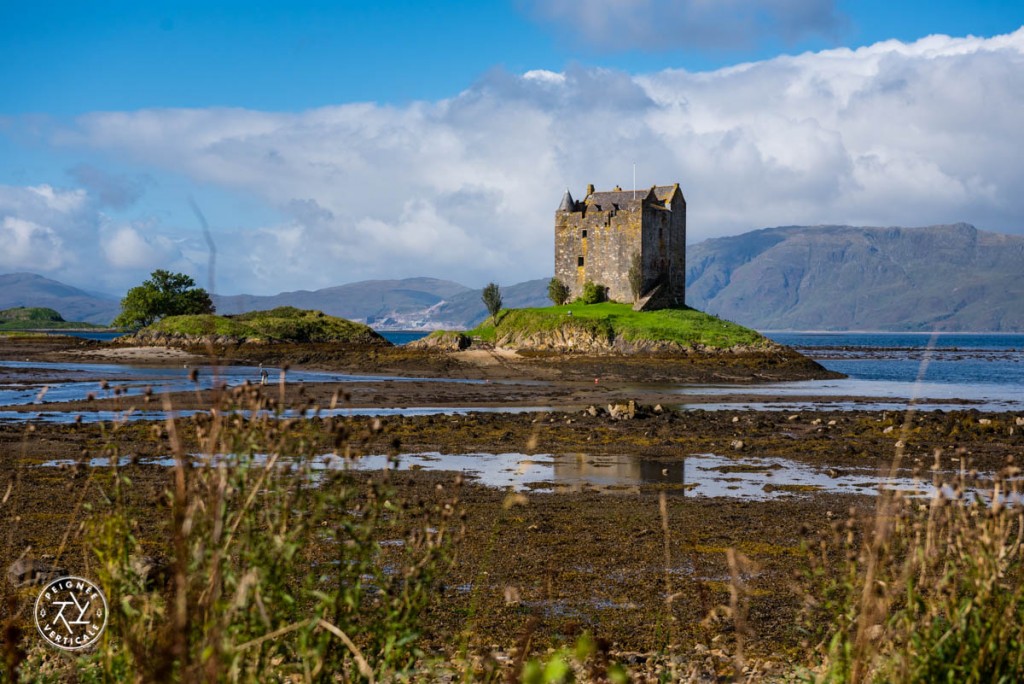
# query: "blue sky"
[334,141]
[74,57]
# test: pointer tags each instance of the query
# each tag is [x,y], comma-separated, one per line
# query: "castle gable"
[665,193]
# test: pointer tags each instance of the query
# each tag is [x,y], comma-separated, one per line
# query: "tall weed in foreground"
[930,589]
[270,567]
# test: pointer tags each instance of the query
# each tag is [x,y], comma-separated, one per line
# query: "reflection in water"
[706,475]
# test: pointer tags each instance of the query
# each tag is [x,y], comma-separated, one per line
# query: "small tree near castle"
[558,292]
[492,300]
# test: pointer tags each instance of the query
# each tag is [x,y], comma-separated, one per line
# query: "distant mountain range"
[409,304]
[950,277]
[73,304]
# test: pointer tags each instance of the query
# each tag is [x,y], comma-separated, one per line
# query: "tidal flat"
[641,564]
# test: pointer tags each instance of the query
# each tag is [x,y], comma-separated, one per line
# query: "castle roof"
[665,192]
[567,202]
[618,199]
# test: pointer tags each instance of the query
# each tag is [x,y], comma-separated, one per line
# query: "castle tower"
[596,239]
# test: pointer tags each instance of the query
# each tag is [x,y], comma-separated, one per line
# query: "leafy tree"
[593,294]
[635,275]
[164,294]
[558,292]
[492,300]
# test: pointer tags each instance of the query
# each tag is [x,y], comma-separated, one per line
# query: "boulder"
[622,411]
[447,340]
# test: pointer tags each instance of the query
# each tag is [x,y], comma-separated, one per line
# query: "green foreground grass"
[283,324]
[688,327]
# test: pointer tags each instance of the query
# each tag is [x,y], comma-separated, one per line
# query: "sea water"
[943,371]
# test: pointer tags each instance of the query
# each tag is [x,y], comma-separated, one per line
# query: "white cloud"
[465,188]
[129,247]
[62,233]
[28,243]
[654,25]
[36,226]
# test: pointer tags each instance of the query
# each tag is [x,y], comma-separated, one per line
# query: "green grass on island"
[283,324]
[38,318]
[688,327]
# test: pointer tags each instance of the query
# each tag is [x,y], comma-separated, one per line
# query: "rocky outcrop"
[583,340]
[445,340]
[627,411]
[148,338]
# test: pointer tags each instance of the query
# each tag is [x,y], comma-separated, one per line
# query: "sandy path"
[136,354]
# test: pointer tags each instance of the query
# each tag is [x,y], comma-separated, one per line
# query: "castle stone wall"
[610,239]
[606,229]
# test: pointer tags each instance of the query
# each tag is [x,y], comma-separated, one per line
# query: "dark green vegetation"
[164,294]
[491,297]
[37,318]
[283,324]
[593,293]
[950,278]
[558,292]
[612,321]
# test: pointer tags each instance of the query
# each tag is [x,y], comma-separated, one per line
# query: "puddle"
[704,475]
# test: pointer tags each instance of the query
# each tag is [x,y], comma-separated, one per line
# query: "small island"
[37,318]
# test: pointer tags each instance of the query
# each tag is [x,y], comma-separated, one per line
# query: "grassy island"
[38,318]
[617,325]
[283,324]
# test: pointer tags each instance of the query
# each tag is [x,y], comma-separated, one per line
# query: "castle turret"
[567,202]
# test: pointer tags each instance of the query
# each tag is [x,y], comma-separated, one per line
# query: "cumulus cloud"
[28,243]
[657,25]
[890,134]
[135,247]
[62,233]
[34,224]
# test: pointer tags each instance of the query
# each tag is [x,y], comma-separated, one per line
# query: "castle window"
[579,261]
[584,234]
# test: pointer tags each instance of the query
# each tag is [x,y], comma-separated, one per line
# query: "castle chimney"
[590,190]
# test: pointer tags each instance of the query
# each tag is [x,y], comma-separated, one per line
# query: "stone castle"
[597,237]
